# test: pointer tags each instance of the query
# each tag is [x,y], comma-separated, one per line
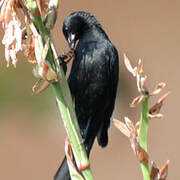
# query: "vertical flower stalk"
[143,133]
[138,133]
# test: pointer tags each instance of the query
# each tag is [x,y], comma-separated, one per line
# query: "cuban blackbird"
[93,80]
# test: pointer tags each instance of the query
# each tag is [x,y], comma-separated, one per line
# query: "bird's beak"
[71,40]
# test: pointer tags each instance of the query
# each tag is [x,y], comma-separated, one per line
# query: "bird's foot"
[66,57]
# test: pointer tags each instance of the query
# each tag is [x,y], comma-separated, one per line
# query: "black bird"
[93,80]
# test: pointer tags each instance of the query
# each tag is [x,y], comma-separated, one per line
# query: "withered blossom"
[72,167]
[42,6]
[12,30]
[140,80]
[158,88]
[42,88]
[45,71]
[164,171]
[131,131]
[154,171]
[137,70]
[129,67]
[154,110]
[157,116]
[122,127]
[136,101]
[157,173]
[28,49]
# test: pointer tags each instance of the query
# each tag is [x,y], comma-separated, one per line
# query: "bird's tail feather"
[63,171]
[102,138]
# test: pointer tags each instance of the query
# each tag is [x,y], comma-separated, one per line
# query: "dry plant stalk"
[137,134]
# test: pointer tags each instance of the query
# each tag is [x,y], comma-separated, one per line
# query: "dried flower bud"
[68,151]
[122,127]
[39,5]
[130,125]
[129,130]
[36,84]
[164,171]
[154,171]
[45,71]
[153,116]
[158,88]
[29,49]
[139,67]
[140,78]
[157,107]
[12,30]
[43,87]
[137,127]
[138,82]
[38,47]
[50,18]
[136,101]
[143,82]
[159,174]
[129,66]
[140,153]
[74,173]
[162,99]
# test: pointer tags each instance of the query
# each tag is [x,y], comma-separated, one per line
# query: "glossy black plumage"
[93,79]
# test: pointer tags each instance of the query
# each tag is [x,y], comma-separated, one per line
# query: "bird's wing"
[113,59]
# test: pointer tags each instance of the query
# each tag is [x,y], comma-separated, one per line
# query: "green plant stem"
[143,133]
[64,100]
[73,134]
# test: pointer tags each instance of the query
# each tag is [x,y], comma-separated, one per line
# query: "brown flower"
[12,32]
[131,131]
[137,72]
[28,49]
[154,110]
[157,173]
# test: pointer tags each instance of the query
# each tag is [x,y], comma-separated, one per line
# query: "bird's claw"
[66,57]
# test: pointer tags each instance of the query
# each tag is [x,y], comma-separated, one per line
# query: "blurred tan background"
[31,131]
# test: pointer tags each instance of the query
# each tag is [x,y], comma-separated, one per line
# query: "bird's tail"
[102,136]
[63,171]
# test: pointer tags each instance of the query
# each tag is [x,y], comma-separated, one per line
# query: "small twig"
[43,87]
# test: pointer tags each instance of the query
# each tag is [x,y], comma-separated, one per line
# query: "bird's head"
[76,25]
